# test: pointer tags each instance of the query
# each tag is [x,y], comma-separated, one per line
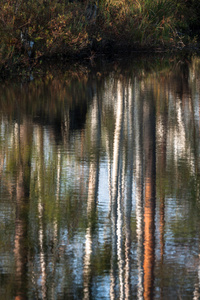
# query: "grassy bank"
[31,30]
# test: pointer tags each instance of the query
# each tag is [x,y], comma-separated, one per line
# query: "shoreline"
[89,57]
[81,64]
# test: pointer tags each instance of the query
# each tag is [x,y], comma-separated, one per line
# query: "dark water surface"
[100,183]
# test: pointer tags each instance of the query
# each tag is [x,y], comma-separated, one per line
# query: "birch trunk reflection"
[128,199]
[138,116]
[92,194]
[116,185]
[23,142]
[120,225]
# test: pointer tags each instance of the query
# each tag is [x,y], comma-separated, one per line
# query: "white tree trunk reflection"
[116,189]
[128,198]
[93,183]
[139,191]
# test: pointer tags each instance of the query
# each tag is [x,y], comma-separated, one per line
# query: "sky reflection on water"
[100,186]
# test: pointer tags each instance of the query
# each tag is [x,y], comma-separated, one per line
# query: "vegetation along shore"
[33,30]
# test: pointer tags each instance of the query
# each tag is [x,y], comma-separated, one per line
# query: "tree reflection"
[162,126]
[139,174]
[149,196]
[116,196]
[93,181]
[23,142]
[128,199]
[85,166]
[40,182]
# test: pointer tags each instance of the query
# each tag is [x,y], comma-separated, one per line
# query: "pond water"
[100,182]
